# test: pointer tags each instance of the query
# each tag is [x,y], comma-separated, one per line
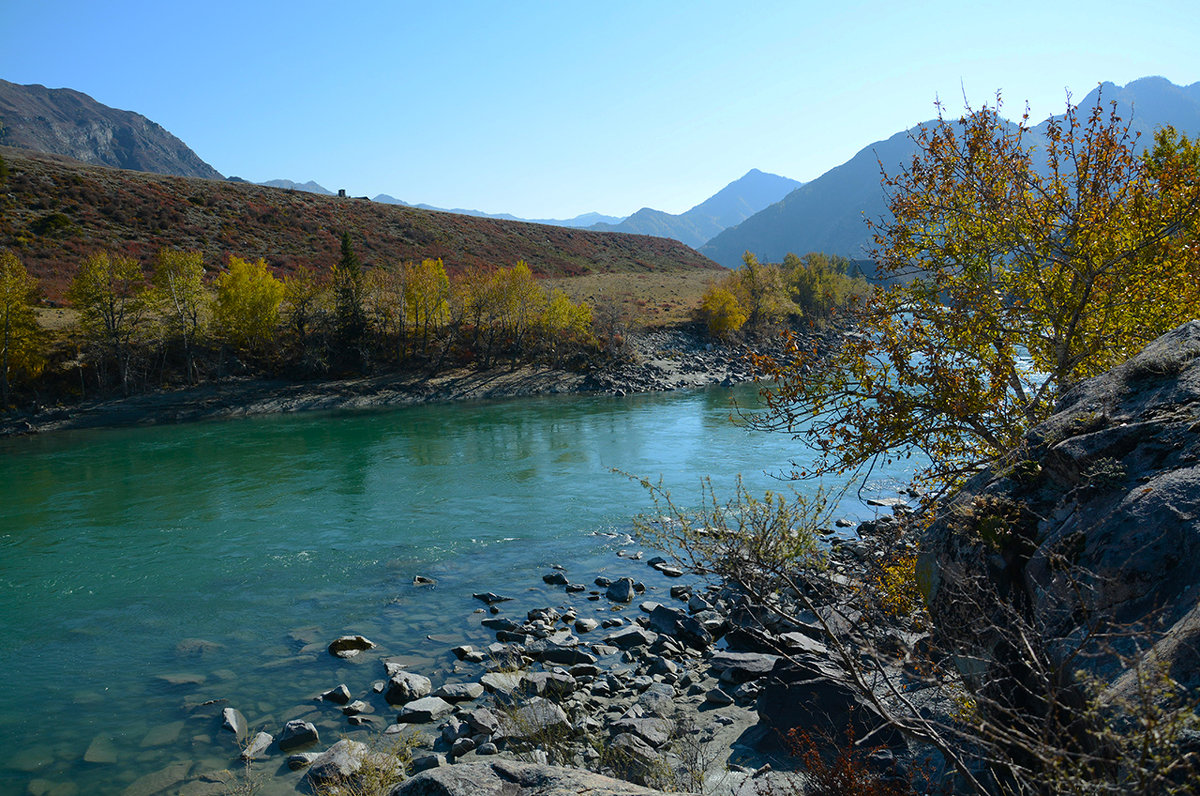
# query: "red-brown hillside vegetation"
[54,211]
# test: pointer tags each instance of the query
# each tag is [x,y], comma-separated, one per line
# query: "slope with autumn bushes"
[54,211]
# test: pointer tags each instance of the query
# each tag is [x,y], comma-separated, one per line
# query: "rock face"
[1097,516]
[65,122]
[509,778]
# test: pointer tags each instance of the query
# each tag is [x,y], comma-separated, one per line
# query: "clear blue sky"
[550,109]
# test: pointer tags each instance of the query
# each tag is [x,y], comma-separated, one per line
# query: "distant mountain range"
[61,121]
[827,214]
[585,220]
[733,204]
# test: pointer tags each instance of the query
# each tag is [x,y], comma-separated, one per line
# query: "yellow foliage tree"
[247,306]
[1023,263]
[426,302]
[20,340]
[110,293]
[721,311]
[179,287]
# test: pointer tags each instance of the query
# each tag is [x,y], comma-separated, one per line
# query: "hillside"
[53,211]
[733,204]
[61,121]
[827,214]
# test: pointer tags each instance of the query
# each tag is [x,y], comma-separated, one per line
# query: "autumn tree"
[760,291]
[19,332]
[247,307]
[110,293]
[565,324]
[1022,263]
[178,281]
[426,302]
[721,312]
[819,284]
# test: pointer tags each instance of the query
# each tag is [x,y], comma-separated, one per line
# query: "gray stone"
[338,763]
[555,578]
[300,760]
[424,710]
[297,733]
[549,684]
[490,598]
[462,746]
[404,687]
[585,625]
[621,590]
[356,707]
[510,778]
[652,730]
[531,718]
[719,698]
[633,636]
[460,692]
[258,746]
[339,695]
[687,629]
[502,682]
[427,762]
[482,720]
[233,721]
[739,667]
[350,646]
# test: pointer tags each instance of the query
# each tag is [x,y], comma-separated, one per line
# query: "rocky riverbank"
[653,678]
[654,360]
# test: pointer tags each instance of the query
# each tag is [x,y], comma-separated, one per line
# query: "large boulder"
[510,778]
[1092,527]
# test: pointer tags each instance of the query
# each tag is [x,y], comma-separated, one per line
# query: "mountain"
[54,211]
[309,187]
[580,221]
[61,121]
[827,214]
[731,205]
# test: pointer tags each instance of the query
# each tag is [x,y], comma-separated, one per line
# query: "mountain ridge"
[63,121]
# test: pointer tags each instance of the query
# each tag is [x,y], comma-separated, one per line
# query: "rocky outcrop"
[1090,532]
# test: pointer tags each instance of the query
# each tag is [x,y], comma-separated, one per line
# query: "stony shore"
[625,685]
[655,361]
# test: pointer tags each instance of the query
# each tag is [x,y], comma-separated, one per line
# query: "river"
[144,571]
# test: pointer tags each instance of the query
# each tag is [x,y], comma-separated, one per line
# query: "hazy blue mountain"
[731,205]
[61,121]
[307,187]
[580,221]
[827,214]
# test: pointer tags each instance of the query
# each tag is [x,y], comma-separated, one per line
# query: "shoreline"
[659,360]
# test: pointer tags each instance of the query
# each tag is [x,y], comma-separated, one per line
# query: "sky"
[550,109]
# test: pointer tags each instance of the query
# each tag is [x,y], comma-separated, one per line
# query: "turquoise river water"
[146,571]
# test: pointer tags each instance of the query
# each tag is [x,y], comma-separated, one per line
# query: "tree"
[349,305]
[1021,263]
[109,290]
[760,292]
[247,306]
[426,301]
[179,284]
[721,312]
[565,323]
[19,333]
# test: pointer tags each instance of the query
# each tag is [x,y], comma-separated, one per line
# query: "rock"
[233,721]
[602,582]
[658,700]
[404,687]
[356,707]
[258,746]
[739,667]
[482,720]
[697,604]
[490,598]
[462,746]
[647,606]
[565,656]
[825,707]
[532,718]
[585,625]
[654,731]
[421,580]
[424,710]
[555,578]
[297,733]
[486,748]
[339,695]
[300,760]
[460,692]
[463,651]
[676,623]
[350,646]
[101,750]
[511,778]
[162,781]
[549,684]
[621,590]
[635,759]
[427,762]
[719,698]
[670,572]
[338,763]
[500,623]
[502,682]
[633,636]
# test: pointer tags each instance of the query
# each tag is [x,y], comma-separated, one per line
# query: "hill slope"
[61,121]
[731,205]
[54,211]
[827,214]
